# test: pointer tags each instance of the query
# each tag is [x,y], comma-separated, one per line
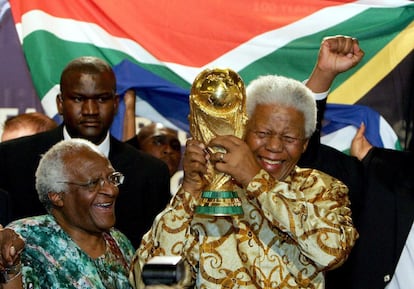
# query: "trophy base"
[219,203]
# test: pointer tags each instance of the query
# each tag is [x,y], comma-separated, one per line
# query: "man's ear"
[59,103]
[305,145]
[57,199]
[116,103]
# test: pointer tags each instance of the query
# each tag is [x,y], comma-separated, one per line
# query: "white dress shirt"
[103,146]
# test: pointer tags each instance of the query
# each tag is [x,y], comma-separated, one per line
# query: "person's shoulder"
[315,174]
[386,154]
[118,146]
[330,153]
[125,150]
[120,237]
[132,161]
[390,165]
[383,159]
[27,226]
[133,142]
[123,242]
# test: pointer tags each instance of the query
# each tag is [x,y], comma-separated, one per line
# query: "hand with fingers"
[238,161]
[360,146]
[11,244]
[195,166]
[337,54]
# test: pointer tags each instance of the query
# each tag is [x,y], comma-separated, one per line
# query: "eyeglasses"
[115,178]
[285,139]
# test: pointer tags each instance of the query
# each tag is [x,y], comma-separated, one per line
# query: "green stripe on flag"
[47,55]
[374,28]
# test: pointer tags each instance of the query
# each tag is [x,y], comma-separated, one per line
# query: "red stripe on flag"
[200,31]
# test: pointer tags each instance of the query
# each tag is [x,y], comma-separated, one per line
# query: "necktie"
[404,273]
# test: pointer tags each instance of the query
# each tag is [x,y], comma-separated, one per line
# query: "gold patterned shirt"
[291,232]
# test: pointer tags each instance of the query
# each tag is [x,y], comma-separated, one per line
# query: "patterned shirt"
[51,259]
[290,233]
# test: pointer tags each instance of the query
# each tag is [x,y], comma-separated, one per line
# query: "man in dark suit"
[381,191]
[88,104]
[386,216]
[345,168]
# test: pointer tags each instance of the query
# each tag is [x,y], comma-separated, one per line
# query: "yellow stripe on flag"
[362,81]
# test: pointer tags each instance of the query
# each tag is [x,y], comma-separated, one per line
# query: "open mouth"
[271,162]
[107,205]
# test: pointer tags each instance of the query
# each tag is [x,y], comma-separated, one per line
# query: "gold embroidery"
[289,234]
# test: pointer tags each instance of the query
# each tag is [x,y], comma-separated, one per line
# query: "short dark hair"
[88,65]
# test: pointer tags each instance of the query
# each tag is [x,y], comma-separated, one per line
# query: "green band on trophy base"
[219,195]
[219,203]
[219,211]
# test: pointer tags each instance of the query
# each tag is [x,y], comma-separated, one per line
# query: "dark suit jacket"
[5,213]
[381,191]
[386,218]
[144,193]
[345,168]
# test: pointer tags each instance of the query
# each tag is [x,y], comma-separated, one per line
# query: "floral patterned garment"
[290,233]
[51,259]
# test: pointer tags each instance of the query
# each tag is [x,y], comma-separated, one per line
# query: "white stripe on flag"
[341,139]
[388,136]
[83,32]
[144,109]
[49,101]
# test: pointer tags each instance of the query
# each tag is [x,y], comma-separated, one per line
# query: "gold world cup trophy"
[218,107]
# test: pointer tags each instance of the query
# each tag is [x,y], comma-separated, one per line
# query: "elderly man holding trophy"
[246,216]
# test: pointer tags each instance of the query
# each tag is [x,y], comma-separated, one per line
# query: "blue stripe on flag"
[162,96]
[338,116]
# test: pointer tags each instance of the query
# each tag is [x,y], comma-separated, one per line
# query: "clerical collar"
[103,146]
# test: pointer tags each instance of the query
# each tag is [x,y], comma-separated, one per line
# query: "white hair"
[52,170]
[280,90]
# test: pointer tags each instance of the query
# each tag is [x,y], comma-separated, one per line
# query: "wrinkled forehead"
[85,162]
[273,114]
